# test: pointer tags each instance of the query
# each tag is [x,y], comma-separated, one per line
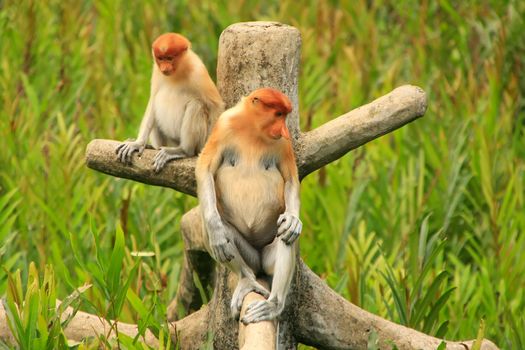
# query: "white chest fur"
[169,107]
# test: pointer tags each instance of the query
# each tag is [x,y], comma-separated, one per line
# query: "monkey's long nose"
[166,69]
[284,131]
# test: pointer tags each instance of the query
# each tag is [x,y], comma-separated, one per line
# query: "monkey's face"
[276,125]
[168,50]
[272,107]
[168,63]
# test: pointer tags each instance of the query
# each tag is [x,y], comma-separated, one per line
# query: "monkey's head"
[271,108]
[168,49]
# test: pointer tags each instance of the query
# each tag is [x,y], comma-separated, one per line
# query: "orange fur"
[273,99]
[170,44]
[244,126]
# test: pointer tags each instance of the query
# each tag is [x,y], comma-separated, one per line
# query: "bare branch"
[190,332]
[326,320]
[256,336]
[179,175]
[353,129]
[314,149]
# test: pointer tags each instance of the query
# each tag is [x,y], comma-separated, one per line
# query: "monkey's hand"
[126,149]
[289,227]
[221,246]
[262,310]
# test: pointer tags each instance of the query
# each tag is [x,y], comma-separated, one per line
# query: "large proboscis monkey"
[183,105]
[248,190]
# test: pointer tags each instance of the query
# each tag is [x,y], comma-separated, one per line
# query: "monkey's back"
[251,197]
[189,95]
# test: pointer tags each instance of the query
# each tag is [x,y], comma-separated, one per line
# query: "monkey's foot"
[164,156]
[245,286]
[261,310]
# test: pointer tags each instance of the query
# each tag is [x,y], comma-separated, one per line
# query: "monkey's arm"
[127,148]
[193,131]
[289,224]
[221,248]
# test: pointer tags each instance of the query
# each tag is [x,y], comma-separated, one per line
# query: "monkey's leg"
[193,134]
[279,260]
[157,138]
[245,263]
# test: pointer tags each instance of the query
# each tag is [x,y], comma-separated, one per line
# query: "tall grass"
[423,226]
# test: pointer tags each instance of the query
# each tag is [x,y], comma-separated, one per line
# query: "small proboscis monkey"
[248,191]
[183,105]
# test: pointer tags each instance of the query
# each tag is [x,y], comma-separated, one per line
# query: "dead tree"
[254,55]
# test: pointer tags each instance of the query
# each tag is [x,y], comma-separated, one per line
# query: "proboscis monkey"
[183,105]
[248,191]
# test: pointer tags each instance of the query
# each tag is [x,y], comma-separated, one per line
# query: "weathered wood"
[180,175]
[334,139]
[314,149]
[253,55]
[256,336]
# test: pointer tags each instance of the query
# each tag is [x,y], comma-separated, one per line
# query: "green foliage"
[34,317]
[424,225]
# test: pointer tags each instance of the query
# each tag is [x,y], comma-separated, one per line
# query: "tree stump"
[267,54]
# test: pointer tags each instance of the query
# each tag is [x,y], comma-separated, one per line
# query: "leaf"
[423,304]
[442,330]
[373,340]
[120,297]
[200,287]
[481,335]
[137,304]
[396,294]
[68,301]
[14,321]
[143,254]
[115,262]
[427,266]
[432,317]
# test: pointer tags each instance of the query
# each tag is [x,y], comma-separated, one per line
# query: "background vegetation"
[423,226]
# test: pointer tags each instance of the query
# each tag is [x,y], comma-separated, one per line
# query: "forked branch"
[314,149]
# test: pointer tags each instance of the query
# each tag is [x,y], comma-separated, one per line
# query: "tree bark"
[197,264]
[314,149]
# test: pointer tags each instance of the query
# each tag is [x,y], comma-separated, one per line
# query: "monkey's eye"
[279,114]
[255,99]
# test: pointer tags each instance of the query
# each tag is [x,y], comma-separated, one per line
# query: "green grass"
[423,226]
